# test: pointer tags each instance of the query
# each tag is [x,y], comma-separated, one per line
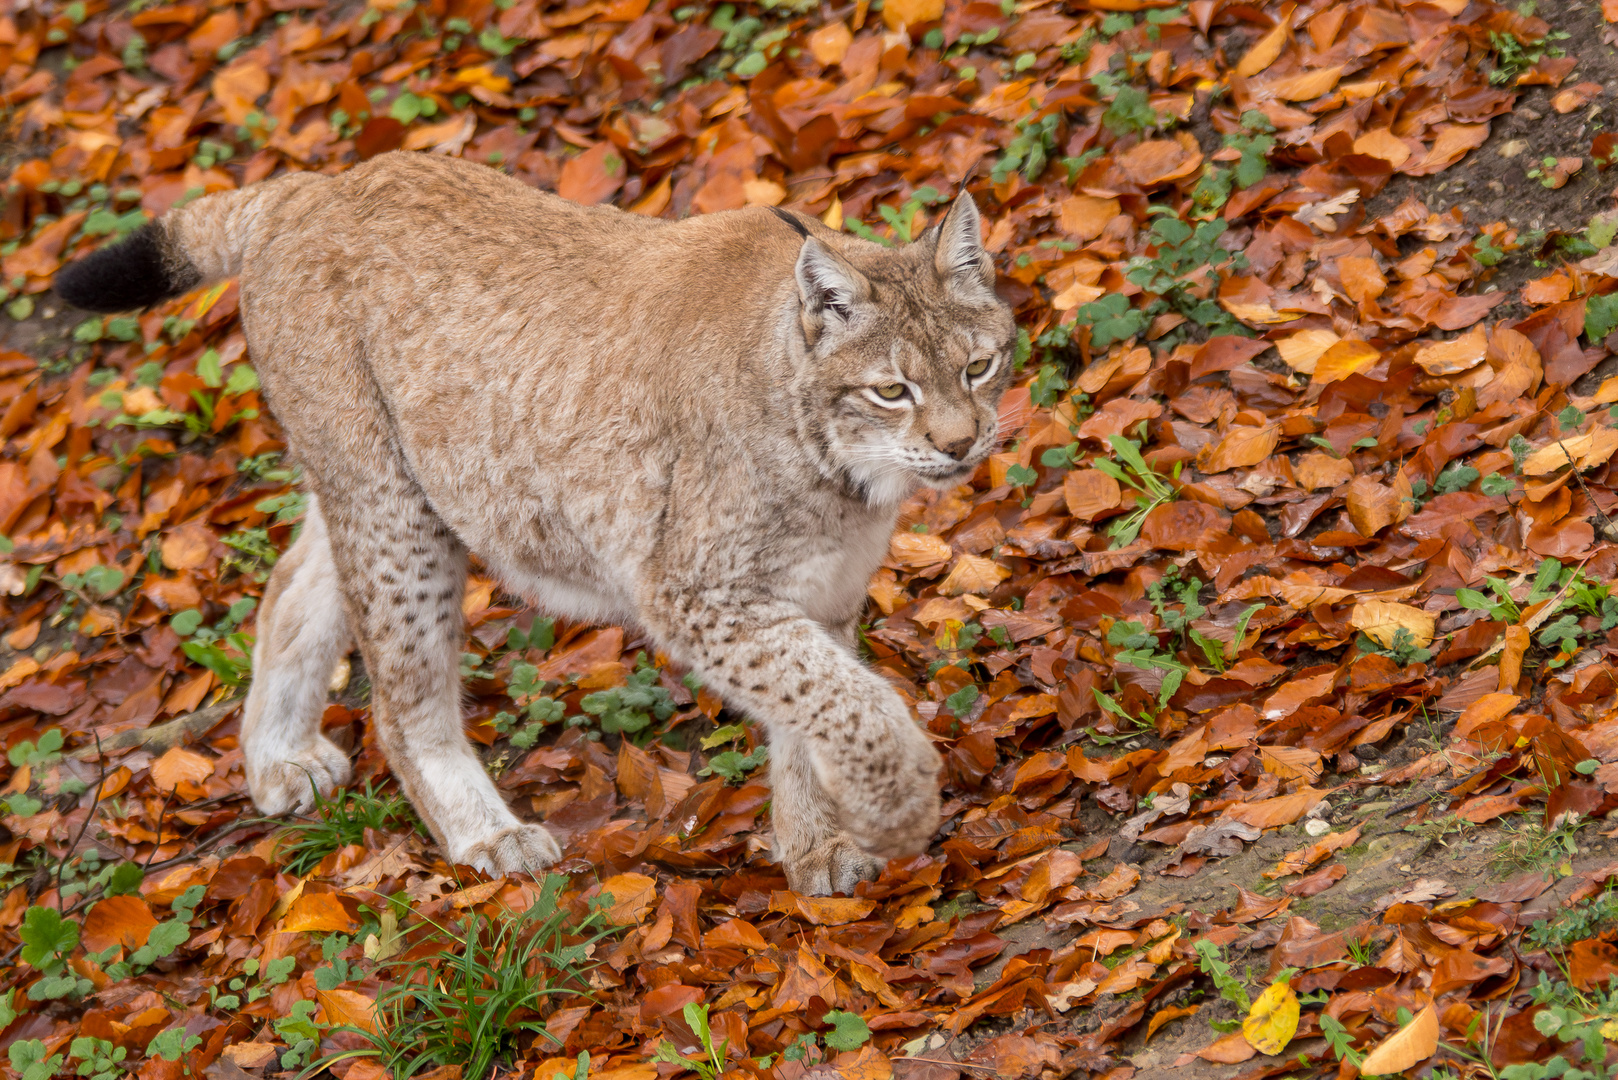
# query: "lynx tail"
[200,242]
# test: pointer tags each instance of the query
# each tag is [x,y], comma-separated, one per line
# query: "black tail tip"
[134,273]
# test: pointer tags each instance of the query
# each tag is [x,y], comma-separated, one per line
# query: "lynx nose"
[959,448]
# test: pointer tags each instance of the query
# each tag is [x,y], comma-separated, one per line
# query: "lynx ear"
[827,283]
[960,258]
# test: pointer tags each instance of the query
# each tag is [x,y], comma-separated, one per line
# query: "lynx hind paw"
[835,865]
[287,783]
[514,850]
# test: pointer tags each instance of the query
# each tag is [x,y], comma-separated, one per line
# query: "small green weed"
[221,648]
[528,690]
[734,765]
[1139,647]
[471,1002]
[1172,587]
[1402,650]
[1186,256]
[631,708]
[1600,317]
[1211,961]
[900,219]
[1029,150]
[1573,924]
[1513,56]
[339,821]
[1531,846]
[1151,487]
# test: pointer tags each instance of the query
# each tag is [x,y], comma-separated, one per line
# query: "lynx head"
[905,354]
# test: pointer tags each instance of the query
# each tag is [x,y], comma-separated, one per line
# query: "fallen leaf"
[318,913]
[181,766]
[1381,621]
[1415,1042]
[632,897]
[1272,1020]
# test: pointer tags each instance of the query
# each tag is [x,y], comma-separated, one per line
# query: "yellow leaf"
[1381,621]
[1273,1019]
[1416,1041]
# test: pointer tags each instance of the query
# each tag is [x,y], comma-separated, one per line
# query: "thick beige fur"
[671,425]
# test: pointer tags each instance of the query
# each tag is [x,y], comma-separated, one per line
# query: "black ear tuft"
[791,220]
[134,273]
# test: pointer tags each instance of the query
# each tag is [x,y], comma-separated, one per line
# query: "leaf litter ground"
[1272,657]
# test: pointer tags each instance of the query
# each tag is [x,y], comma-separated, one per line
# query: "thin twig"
[160,816]
[936,1061]
[206,842]
[1608,529]
[94,805]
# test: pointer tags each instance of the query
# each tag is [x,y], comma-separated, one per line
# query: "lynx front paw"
[889,803]
[283,783]
[514,850]
[835,865]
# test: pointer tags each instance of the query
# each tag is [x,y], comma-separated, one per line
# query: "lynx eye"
[978,367]
[891,391]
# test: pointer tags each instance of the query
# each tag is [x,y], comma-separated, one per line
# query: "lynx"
[702,429]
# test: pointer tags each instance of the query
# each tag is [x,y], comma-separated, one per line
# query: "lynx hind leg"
[302,633]
[403,573]
[819,858]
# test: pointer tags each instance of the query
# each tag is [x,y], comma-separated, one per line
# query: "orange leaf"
[117,920]
[1415,1042]
[734,934]
[348,1007]
[833,911]
[1084,216]
[1281,810]
[594,176]
[1362,278]
[1266,48]
[1347,357]
[632,896]
[1372,506]
[1164,1016]
[1241,447]
[1231,1049]
[318,913]
[1296,862]
[188,547]
[181,766]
